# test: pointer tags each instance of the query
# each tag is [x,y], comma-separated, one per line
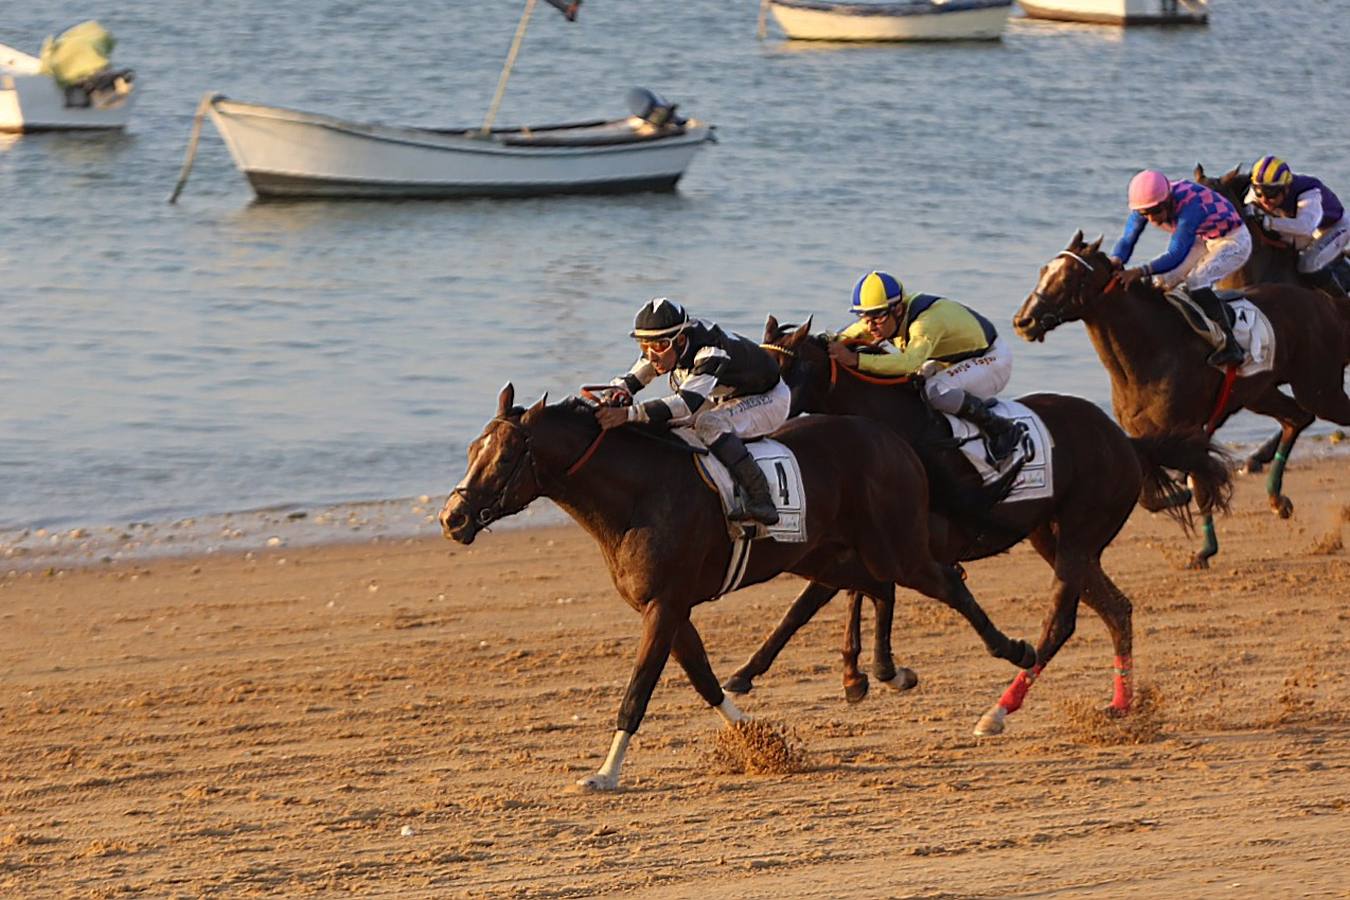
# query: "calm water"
[159,362]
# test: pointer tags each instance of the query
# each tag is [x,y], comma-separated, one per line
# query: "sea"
[225,370]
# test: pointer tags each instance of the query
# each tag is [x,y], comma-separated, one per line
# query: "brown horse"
[1160,383]
[1273,261]
[1099,474]
[665,540]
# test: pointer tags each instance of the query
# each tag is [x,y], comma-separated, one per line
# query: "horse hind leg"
[1293,418]
[810,601]
[899,678]
[855,681]
[946,584]
[1256,462]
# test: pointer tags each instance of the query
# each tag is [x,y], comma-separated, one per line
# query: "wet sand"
[404,718]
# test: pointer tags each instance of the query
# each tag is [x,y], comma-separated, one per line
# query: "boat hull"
[961,24]
[36,103]
[1118,12]
[287,153]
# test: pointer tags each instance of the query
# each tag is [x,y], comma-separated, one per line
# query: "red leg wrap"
[1124,695]
[1012,698]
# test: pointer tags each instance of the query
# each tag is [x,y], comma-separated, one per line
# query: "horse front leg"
[693,658]
[809,602]
[659,625]
[855,682]
[1293,420]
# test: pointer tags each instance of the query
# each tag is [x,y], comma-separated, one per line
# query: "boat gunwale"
[891,10]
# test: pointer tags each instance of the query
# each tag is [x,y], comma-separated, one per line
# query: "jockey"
[1209,243]
[725,386]
[963,360]
[1305,213]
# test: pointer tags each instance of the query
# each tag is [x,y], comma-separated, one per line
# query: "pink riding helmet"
[1149,188]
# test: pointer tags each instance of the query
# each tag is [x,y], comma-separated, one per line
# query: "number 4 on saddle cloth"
[785,485]
[1251,328]
[1036,480]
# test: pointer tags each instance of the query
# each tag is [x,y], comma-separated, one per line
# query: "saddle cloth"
[1250,327]
[1036,480]
[785,485]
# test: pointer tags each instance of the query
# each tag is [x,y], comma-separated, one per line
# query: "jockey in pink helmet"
[1209,242]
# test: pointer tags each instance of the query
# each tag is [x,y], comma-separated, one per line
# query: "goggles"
[1268,190]
[655,345]
[872,315]
[1156,211]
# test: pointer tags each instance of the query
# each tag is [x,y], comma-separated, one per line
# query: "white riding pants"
[984,376]
[748,417]
[1210,261]
[1321,249]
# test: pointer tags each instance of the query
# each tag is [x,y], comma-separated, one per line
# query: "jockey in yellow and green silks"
[958,352]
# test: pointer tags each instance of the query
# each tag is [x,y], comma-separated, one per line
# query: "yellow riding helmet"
[1271,172]
[876,291]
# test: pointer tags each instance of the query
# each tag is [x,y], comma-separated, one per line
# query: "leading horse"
[1098,476]
[1160,383]
[665,539]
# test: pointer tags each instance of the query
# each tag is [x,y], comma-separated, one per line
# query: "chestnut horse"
[665,539]
[1160,383]
[1099,474]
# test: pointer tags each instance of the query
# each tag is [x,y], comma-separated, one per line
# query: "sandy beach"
[405,717]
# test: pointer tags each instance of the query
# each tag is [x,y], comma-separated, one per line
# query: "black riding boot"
[747,473]
[1004,434]
[1325,280]
[1230,352]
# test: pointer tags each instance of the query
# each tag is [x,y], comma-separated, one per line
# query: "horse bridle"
[1051,319]
[494,510]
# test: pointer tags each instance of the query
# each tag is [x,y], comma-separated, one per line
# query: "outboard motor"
[653,108]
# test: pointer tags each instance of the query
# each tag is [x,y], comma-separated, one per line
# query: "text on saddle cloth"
[1251,329]
[785,485]
[1036,480]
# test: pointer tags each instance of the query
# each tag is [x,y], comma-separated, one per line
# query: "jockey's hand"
[1116,263]
[843,354]
[611,416]
[1128,277]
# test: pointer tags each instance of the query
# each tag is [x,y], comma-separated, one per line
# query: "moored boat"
[70,87]
[1120,12]
[288,153]
[917,20]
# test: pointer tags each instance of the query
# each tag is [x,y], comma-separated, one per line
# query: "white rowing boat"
[1120,12]
[918,20]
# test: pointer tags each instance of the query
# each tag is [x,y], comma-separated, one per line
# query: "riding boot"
[1340,270]
[1004,434]
[747,473]
[1230,352]
[1325,280]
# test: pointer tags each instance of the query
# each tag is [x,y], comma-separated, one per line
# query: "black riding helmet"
[659,318]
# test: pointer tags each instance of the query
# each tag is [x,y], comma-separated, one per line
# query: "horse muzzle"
[457,522]
[1029,325]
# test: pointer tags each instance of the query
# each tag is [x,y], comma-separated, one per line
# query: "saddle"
[1195,317]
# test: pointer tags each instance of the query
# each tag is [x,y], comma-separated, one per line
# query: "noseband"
[494,510]
[1051,319]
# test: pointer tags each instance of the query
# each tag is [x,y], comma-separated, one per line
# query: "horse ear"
[803,331]
[771,328]
[1231,173]
[538,404]
[506,399]
[1199,173]
[1094,246]
[1076,241]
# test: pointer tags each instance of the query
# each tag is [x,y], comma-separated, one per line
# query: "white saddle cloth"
[785,485]
[1254,335]
[1036,481]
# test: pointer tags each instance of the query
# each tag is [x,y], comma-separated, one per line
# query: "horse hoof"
[1115,712]
[1282,506]
[1198,561]
[904,680]
[855,691]
[737,684]
[883,672]
[1023,655]
[598,782]
[1252,467]
[991,723]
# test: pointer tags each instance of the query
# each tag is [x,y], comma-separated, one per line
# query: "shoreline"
[356,522]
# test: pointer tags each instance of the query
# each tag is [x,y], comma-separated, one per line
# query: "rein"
[835,368]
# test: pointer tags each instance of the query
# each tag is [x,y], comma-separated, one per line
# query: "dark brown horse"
[665,540]
[1273,261]
[1160,383]
[1099,474]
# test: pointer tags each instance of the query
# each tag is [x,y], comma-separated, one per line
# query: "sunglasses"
[1269,191]
[873,315]
[1154,211]
[659,345]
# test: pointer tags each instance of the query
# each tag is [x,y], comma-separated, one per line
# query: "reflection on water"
[221,354]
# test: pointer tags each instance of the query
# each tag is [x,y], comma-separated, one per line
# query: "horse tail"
[1210,470]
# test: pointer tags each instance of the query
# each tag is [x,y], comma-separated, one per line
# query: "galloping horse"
[665,540]
[1273,261]
[1160,383]
[1098,473]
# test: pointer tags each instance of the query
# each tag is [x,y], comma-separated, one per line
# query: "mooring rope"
[202,108]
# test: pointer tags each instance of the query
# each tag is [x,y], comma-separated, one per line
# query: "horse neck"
[604,491]
[898,405]
[1128,331]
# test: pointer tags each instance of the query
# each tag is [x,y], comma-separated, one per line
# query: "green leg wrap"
[1211,545]
[1275,480]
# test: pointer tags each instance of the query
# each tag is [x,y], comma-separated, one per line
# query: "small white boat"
[287,153]
[918,20]
[32,99]
[1120,12]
